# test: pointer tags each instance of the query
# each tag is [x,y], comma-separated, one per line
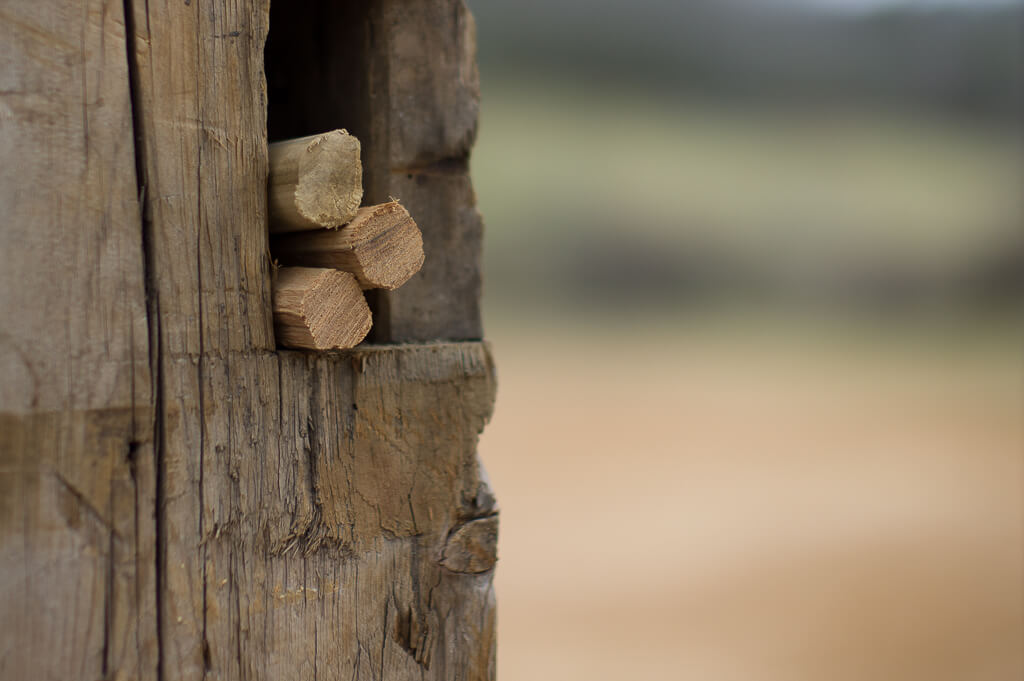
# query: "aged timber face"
[181,500]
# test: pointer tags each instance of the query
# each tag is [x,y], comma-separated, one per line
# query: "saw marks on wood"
[315,182]
[319,309]
[382,247]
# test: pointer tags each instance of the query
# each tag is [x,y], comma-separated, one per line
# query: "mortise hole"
[316,63]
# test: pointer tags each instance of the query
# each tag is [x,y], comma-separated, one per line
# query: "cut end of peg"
[315,182]
[319,309]
[381,246]
[387,246]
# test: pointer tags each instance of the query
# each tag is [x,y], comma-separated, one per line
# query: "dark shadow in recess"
[316,62]
[319,71]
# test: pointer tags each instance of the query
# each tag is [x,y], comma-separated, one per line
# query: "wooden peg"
[314,182]
[382,247]
[319,309]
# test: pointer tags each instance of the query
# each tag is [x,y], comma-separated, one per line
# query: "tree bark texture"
[179,499]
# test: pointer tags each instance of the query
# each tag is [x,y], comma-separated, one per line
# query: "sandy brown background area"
[704,506]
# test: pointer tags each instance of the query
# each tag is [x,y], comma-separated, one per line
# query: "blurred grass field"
[574,183]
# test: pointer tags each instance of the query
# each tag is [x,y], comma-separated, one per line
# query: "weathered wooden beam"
[382,247]
[305,498]
[314,182]
[319,309]
[178,499]
[425,55]
[78,561]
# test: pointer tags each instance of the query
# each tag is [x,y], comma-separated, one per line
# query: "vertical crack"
[152,312]
[108,596]
[200,366]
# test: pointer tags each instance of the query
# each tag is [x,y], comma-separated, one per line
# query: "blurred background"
[755,286]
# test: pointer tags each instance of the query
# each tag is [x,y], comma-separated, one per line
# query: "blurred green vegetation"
[959,57]
[660,193]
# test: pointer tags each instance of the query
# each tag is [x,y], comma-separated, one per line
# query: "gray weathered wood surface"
[77,478]
[180,500]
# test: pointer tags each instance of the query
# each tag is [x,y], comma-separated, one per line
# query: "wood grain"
[177,498]
[306,499]
[319,309]
[382,247]
[413,103]
[199,119]
[315,182]
[77,474]
[427,55]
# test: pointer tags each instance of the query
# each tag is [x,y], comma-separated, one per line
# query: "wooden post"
[179,498]
[78,474]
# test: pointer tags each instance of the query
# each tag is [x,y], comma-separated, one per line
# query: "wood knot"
[472,547]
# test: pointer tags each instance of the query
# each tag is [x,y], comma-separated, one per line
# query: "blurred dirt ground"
[740,505]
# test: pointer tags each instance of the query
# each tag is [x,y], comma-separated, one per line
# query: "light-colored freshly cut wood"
[382,247]
[319,309]
[314,182]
